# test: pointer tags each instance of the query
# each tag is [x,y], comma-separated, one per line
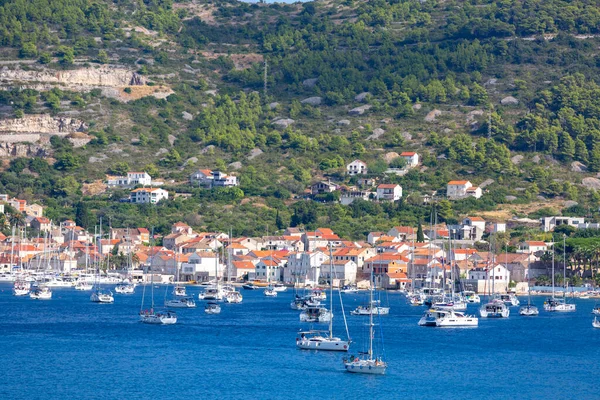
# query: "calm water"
[69,347]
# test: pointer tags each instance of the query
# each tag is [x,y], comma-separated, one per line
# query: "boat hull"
[322,344]
[529,311]
[366,367]
[157,319]
[180,304]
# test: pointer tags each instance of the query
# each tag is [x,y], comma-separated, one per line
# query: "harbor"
[248,350]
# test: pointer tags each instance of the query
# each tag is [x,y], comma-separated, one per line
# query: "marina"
[75,335]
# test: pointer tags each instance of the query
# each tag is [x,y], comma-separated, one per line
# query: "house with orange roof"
[148,195]
[461,254]
[321,237]
[242,270]
[267,270]
[305,267]
[357,255]
[382,263]
[373,237]
[397,280]
[461,189]
[411,158]
[343,272]
[200,267]
[533,247]
[404,233]
[236,249]
[175,240]
[291,243]
[389,192]
[201,177]
[41,224]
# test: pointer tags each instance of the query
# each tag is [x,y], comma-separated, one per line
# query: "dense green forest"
[461,58]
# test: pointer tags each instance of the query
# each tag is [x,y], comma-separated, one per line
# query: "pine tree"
[278,221]
[566,146]
[82,215]
[420,235]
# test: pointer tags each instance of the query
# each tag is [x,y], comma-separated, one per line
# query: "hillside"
[504,94]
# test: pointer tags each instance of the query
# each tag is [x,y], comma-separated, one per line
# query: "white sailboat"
[555,304]
[179,301]
[212,308]
[151,316]
[315,340]
[370,364]
[529,310]
[495,307]
[213,293]
[100,295]
[596,323]
[41,293]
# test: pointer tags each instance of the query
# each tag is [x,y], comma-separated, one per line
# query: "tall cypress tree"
[420,234]
[82,215]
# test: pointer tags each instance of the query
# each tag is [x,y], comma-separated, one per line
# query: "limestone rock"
[362,96]
[570,203]
[591,183]
[172,139]
[576,166]
[235,165]
[82,77]
[509,100]
[273,105]
[377,133]
[432,115]
[283,123]
[187,116]
[417,106]
[389,157]
[536,159]
[517,159]
[510,198]
[359,110]
[207,149]
[485,183]
[313,101]
[22,150]
[343,122]
[255,152]
[161,151]
[310,82]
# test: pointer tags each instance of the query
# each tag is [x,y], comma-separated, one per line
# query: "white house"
[356,167]
[348,197]
[267,270]
[532,246]
[221,180]
[148,195]
[132,179]
[201,266]
[462,189]
[322,187]
[342,271]
[411,158]
[549,223]
[389,192]
[202,177]
[304,267]
[489,280]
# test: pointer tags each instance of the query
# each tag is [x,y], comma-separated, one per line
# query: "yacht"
[279,287]
[41,293]
[250,286]
[510,299]
[416,299]
[83,285]
[181,302]
[102,296]
[596,323]
[596,310]
[315,340]
[125,288]
[315,314]
[449,304]
[212,308]
[59,281]
[234,297]
[558,305]
[179,291]
[373,308]
[21,288]
[471,297]
[447,318]
[318,294]
[158,318]
[349,289]
[529,311]
[213,293]
[494,309]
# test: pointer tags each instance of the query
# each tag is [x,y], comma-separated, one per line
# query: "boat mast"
[331,290]
[371,316]
[565,285]
[552,270]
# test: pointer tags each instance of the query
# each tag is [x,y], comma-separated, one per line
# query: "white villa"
[132,179]
[356,167]
[411,158]
[461,189]
[148,195]
[389,192]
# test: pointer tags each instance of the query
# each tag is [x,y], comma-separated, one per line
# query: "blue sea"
[70,348]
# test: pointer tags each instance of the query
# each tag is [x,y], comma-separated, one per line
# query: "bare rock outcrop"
[22,150]
[31,128]
[76,78]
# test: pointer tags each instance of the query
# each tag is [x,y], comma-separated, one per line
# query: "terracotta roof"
[458,182]
[387,186]
[536,243]
[269,263]
[243,265]
[407,154]
[475,218]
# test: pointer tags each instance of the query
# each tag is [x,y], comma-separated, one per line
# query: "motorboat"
[471,297]
[181,302]
[7,278]
[125,288]
[270,292]
[510,299]
[59,281]
[315,340]
[279,287]
[212,308]
[529,310]
[553,304]
[250,286]
[596,323]
[21,288]
[494,309]
[415,300]
[315,314]
[234,297]
[102,296]
[447,318]
[456,305]
[41,293]
[372,308]
[349,289]
[318,294]
[83,285]
[179,291]
[596,310]
[213,293]
[158,318]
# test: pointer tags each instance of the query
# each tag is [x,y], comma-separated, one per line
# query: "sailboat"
[368,364]
[22,286]
[529,310]
[100,295]
[596,323]
[127,286]
[555,304]
[41,293]
[178,301]
[151,316]
[455,301]
[495,307]
[315,339]
[213,293]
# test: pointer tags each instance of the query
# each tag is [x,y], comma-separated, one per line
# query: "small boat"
[596,310]
[447,318]
[270,292]
[179,291]
[318,294]
[234,297]
[158,318]
[213,293]
[250,286]
[471,297]
[494,309]
[125,288]
[315,314]
[183,302]
[41,293]
[280,287]
[212,308]
[349,289]
[59,281]
[510,299]
[102,296]
[21,288]
[553,304]
[456,305]
[596,323]
[83,285]
[372,308]
[529,311]
[416,300]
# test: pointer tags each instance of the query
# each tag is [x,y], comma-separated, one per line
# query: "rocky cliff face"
[31,128]
[22,150]
[82,78]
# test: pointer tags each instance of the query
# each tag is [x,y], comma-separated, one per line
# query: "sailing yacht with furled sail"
[151,316]
[495,307]
[555,304]
[213,293]
[370,364]
[179,302]
[315,340]
[529,310]
[100,295]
